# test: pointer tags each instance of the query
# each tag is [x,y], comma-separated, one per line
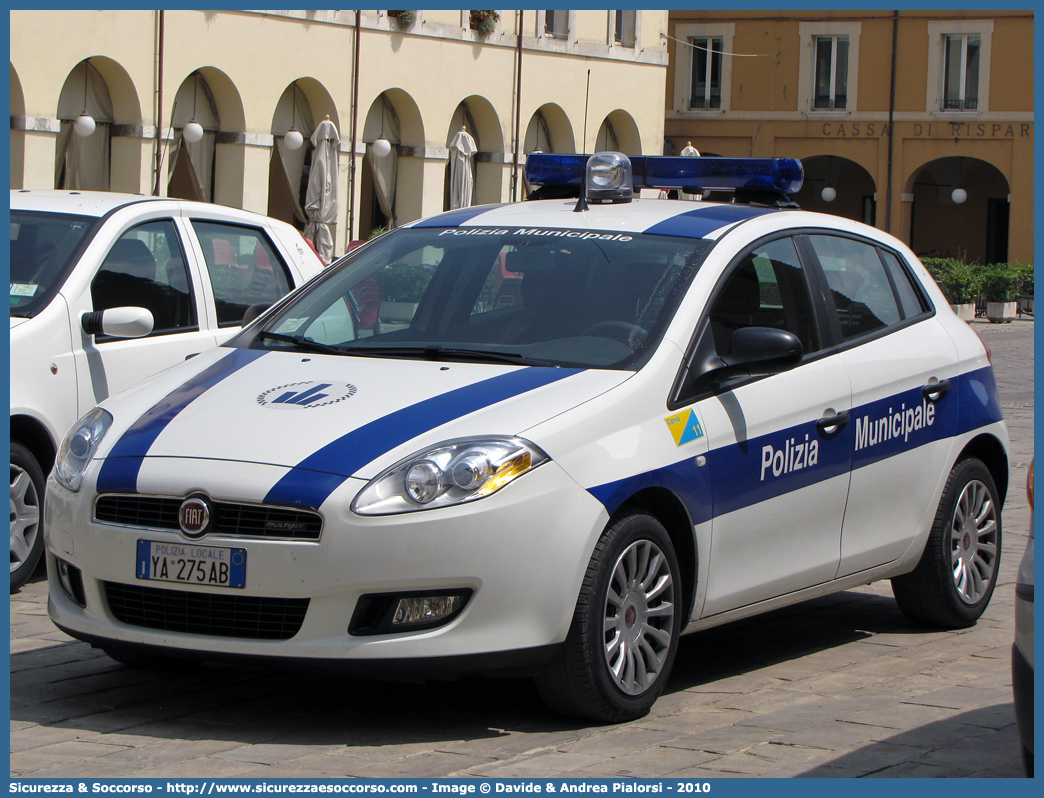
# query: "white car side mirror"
[119,322]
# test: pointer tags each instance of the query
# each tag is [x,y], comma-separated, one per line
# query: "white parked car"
[109,288]
[553,435]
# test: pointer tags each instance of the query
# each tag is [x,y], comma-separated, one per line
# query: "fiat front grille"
[233,520]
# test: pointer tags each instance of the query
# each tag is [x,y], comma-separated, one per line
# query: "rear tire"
[955,578]
[27,520]
[623,639]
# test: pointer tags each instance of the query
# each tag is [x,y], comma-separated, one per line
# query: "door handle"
[829,426]
[934,391]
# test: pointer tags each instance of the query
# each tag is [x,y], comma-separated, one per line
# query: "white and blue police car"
[553,436]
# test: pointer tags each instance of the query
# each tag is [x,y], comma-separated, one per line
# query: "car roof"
[100,203]
[653,216]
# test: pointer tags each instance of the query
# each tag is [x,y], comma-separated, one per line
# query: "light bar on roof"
[691,174]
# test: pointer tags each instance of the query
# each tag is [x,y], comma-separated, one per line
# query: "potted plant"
[404,19]
[1023,276]
[960,282]
[1000,290]
[485,22]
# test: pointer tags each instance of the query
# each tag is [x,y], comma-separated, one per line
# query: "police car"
[551,436]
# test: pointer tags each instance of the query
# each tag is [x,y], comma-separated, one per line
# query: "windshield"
[532,296]
[44,247]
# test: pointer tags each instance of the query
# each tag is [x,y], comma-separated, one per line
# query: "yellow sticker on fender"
[685,427]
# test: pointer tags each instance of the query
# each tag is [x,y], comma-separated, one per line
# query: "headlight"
[79,446]
[451,473]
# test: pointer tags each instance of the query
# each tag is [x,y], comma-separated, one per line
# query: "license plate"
[190,564]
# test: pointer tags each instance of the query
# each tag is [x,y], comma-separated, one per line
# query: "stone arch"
[549,130]
[851,187]
[110,157]
[478,116]
[17,154]
[618,132]
[212,169]
[940,221]
[391,186]
[303,104]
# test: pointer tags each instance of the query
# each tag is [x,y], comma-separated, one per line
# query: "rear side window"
[244,268]
[862,292]
[910,299]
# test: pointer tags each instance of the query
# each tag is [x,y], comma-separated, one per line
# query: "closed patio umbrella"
[321,196]
[462,149]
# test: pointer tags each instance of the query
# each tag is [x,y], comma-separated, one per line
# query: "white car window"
[146,268]
[244,269]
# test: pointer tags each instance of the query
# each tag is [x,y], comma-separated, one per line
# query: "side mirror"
[763,350]
[753,352]
[118,322]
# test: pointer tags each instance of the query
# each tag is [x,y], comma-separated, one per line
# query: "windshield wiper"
[438,352]
[302,343]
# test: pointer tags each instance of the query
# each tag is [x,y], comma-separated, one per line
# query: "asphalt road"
[839,686]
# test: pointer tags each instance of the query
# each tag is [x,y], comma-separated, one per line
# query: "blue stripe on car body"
[458,217]
[310,482]
[705,220]
[119,471]
[736,468]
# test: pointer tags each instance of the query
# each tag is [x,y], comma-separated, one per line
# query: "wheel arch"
[33,435]
[669,510]
[990,451]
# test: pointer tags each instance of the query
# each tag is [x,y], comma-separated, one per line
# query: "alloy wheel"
[638,617]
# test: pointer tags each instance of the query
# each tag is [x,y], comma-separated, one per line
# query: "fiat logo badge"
[194,517]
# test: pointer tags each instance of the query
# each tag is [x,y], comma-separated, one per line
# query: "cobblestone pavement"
[839,686]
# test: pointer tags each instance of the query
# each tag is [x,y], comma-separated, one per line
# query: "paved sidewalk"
[839,686]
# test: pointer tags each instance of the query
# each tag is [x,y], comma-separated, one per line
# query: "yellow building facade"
[562,81]
[917,122]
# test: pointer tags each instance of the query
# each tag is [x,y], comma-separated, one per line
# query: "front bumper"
[521,552]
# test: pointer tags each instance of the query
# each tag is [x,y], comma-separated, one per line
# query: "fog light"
[393,613]
[71,580]
[424,609]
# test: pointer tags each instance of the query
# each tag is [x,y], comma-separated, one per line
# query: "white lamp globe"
[959,195]
[84,125]
[192,132]
[293,139]
[381,147]
[829,194]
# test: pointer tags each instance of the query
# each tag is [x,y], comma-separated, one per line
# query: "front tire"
[27,497]
[955,578]
[624,636]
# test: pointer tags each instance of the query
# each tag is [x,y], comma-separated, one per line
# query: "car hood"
[320,414]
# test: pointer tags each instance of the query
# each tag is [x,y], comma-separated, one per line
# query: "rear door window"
[863,296]
[244,268]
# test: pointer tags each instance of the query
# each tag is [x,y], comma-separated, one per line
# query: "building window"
[703,77]
[959,66]
[828,67]
[706,72]
[961,72]
[625,28]
[556,24]
[831,72]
